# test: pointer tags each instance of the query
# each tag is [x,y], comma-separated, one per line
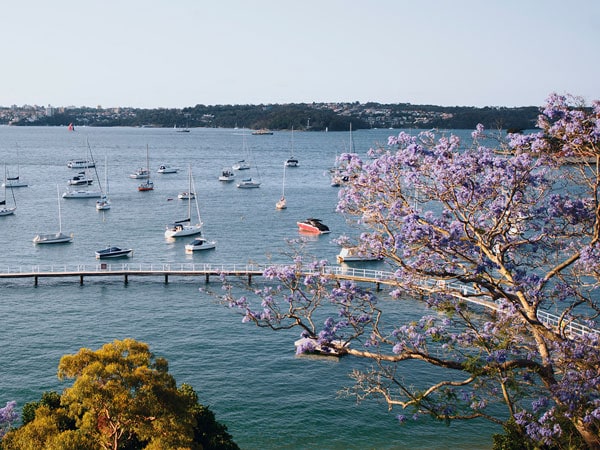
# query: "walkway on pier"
[378,277]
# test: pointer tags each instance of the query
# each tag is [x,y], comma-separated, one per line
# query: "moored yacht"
[312,225]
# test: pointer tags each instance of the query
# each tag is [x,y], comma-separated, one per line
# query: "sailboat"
[179,228]
[148,185]
[282,203]
[104,202]
[54,238]
[248,183]
[13,182]
[86,193]
[292,161]
[5,210]
[242,164]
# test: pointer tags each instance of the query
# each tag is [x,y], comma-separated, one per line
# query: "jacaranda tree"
[513,225]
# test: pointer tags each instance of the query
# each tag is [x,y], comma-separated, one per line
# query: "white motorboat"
[140,173]
[349,254]
[80,164]
[248,183]
[241,165]
[312,225]
[186,195]
[200,244]
[114,252]
[165,168]
[81,193]
[226,175]
[54,238]
[185,227]
[80,179]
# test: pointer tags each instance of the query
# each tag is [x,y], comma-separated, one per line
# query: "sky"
[180,53]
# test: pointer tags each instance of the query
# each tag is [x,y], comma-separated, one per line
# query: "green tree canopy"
[122,398]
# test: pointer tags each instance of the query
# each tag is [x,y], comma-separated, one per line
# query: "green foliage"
[122,398]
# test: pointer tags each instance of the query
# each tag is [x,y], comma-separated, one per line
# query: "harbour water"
[268,397]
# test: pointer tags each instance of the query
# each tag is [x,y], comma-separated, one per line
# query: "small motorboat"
[165,168]
[248,183]
[241,165]
[226,175]
[140,173]
[349,254]
[312,225]
[186,195]
[200,244]
[147,186]
[80,179]
[80,164]
[113,252]
[291,162]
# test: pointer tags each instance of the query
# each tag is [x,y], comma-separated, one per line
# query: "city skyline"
[177,54]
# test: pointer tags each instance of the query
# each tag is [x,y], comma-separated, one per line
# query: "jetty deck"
[126,270]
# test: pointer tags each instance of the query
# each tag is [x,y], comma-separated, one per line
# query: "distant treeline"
[301,116]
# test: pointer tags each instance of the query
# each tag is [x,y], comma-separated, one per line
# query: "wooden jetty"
[204,270]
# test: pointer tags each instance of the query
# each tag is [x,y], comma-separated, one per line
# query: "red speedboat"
[313,226]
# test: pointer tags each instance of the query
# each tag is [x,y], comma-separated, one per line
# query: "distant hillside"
[301,116]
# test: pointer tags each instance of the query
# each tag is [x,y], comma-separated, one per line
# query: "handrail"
[371,275]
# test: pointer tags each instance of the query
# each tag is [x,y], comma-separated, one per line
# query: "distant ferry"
[262,131]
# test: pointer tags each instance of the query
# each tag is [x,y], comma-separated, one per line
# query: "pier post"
[35,280]
[80,280]
[206,277]
[126,278]
[166,278]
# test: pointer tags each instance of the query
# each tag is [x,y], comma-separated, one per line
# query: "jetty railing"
[458,290]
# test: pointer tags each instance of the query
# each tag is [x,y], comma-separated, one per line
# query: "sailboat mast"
[59,212]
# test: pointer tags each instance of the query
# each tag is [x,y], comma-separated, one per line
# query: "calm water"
[268,397]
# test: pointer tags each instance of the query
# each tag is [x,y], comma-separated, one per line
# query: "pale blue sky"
[177,53]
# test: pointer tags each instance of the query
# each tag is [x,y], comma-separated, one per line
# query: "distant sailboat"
[282,203]
[148,185]
[5,210]
[71,127]
[13,182]
[54,238]
[292,161]
[86,193]
[104,202]
[178,229]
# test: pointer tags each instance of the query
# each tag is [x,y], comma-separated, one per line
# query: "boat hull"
[114,252]
[82,194]
[308,227]
[182,230]
[54,238]
[199,245]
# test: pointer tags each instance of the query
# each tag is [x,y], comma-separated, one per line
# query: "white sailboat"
[82,192]
[104,202]
[54,238]
[147,185]
[292,161]
[249,183]
[185,227]
[4,209]
[13,182]
[242,164]
[282,203]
